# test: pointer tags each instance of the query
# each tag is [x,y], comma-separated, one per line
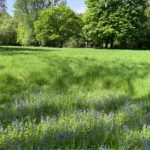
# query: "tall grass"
[74,99]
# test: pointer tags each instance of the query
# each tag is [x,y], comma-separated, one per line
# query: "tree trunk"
[61,44]
[111,43]
[106,44]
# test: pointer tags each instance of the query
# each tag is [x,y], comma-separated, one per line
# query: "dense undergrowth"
[74,99]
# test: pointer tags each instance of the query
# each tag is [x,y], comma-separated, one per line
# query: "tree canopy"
[106,23]
[111,20]
[57,25]
[26,12]
[8,28]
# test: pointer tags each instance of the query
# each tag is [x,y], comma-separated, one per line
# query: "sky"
[76,5]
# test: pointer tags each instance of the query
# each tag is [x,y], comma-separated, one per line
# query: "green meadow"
[52,98]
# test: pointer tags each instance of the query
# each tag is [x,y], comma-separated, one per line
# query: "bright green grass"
[54,98]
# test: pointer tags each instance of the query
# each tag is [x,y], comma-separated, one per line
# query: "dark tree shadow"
[116,76]
[24,50]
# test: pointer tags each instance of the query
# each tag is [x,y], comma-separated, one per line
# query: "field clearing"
[74,98]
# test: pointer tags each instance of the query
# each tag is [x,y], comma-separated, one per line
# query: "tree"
[108,20]
[57,25]
[2,6]
[146,30]
[34,6]
[26,12]
[8,28]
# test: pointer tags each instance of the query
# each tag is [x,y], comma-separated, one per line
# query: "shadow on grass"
[118,76]
[23,50]
[52,108]
[75,133]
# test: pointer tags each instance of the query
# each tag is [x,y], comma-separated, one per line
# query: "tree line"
[106,23]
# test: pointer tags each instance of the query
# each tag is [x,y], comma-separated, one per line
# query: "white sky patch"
[81,9]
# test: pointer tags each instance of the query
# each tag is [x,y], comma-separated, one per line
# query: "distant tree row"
[106,23]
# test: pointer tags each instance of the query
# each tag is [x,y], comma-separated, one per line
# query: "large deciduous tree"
[57,25]
[108,20]
[26,12]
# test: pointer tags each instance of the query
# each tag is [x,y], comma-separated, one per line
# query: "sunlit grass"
[74,98]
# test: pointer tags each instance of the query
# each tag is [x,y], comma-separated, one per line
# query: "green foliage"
[25,32]
[26,12]
[8,27]
[74,98]
[106,21]
[111,23]
[72,42]
[57,25]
